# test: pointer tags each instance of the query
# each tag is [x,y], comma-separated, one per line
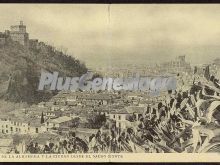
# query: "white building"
[58,122]
[120,117]
[20,125]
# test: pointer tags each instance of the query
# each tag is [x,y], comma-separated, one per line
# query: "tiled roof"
[119,111]
[60,119]
[135,109]
[95,97]
[21,119]
[35,122]
[87,130]
[3,116]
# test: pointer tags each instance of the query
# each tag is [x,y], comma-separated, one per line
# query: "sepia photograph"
[109,82]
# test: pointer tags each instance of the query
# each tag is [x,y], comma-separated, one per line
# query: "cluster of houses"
[178,65]
[64,108]
[56,117]
[31,125]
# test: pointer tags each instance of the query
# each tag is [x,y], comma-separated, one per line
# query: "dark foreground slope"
[20,70]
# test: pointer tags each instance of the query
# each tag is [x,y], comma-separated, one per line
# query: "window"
[119,117]
[113,116]
[6,131]
[6,126]
[36,130]
[16,129]
[11,128]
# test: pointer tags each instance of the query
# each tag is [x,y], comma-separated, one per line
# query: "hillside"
[20,69]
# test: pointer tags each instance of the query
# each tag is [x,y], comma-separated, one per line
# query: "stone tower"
[18,33]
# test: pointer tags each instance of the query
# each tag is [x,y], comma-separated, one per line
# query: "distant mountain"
[20,69]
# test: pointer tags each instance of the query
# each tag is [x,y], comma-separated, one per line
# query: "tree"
[75,122]
[96,120]
[42,118]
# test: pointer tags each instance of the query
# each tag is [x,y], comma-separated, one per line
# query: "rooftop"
[119,111]
[60,119]
[95,97]
[135,109]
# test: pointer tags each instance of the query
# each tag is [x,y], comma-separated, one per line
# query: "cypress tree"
[42,118]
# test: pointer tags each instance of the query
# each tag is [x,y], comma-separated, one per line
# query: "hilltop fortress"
[18,33]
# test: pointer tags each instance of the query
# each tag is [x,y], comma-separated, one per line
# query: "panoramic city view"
[156,85]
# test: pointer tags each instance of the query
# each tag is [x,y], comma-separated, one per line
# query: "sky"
[103,35]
